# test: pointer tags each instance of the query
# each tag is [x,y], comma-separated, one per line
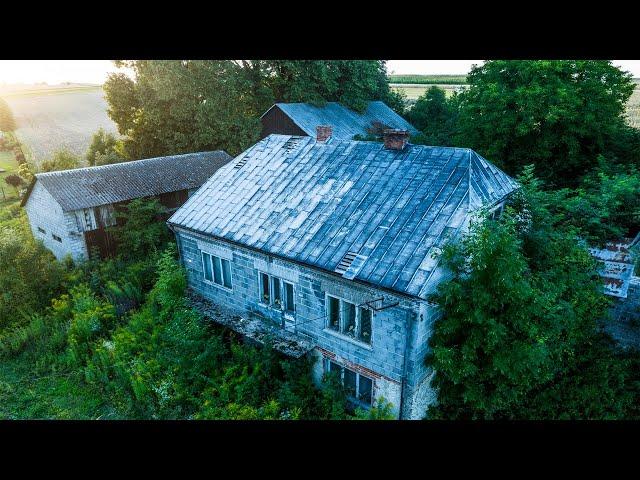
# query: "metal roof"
[346,123]
[93,186]
[314,203]
[617,265]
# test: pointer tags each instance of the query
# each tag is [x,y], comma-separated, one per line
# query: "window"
[56,238]
[358,388]
[216,270]
[41,230]
[277,293]
[349,319]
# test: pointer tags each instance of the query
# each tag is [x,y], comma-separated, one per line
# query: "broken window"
[364,332]
[333,306]
[346,318]
[289,299]
[264,288]
[277,296]
[206,265]
[358,388]
[226,273]
[349,318]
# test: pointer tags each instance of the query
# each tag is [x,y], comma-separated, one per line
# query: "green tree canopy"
[435,116]
[63,159]
[519,320]
[104,149]
[557,114]
[183,106]
[7,121]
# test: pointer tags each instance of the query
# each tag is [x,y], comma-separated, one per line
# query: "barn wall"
[44,212]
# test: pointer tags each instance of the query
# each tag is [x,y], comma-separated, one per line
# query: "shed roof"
[93,186]
[346,123]
[381,213]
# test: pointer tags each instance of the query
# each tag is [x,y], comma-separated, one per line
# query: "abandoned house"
[620,282]
[326,247]
[68,210]
[302,119]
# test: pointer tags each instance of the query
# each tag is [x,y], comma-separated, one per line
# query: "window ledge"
[221,287]
[285,314]
[353,340]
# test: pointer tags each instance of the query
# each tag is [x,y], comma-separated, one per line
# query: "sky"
[95,71]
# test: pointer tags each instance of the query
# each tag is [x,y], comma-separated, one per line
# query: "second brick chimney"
[323,132]
[395,139]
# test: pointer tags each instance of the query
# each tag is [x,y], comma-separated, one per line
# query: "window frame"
[356,337]
[212,259]
[280,303]
[356,400]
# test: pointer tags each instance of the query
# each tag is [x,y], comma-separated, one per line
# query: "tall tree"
[63,159]
[181,106]
[519,319]
[435,116]
[104,149]
[557,114]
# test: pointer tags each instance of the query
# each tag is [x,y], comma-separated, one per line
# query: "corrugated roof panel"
[94,186]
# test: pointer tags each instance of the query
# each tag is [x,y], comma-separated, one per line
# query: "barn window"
[56,238]
[206,263]
[41,230]
[333,307]
[289,299]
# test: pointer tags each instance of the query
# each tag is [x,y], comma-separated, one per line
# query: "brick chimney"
[395,139]
[323,132]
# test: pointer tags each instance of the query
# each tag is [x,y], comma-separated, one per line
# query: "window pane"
[264,288]
[334,313]
[277,298]
[365,325]
[226,273]
[349,316]
[365,390]
[289,299]
[350,382]
[206,264]
[217,270]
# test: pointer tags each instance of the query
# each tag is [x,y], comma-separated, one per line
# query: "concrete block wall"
[383,360]
[44,212]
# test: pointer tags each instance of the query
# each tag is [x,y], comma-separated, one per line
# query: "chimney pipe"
[395,139]
[323,132]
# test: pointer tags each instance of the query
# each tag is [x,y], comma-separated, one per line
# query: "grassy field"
[52,118]
[9,165]
[429,79]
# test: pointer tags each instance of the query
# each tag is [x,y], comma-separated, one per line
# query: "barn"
[69,210]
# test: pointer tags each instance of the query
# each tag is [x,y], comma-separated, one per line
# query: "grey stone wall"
[393,329]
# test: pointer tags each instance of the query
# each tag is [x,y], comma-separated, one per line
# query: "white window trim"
[340,332]
[212,282]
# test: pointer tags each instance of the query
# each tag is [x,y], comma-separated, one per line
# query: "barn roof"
[349,207]
[93,186]
[346,123]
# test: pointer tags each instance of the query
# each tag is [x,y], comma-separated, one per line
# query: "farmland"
[50,118]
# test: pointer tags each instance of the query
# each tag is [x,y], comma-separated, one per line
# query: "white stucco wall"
[44,212]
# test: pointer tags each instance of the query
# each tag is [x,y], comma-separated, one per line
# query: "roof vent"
[346,262]
[241,163]
[395,139]
[291,144]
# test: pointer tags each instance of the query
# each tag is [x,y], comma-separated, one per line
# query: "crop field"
[633,106]
[52,118]
[429,79]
